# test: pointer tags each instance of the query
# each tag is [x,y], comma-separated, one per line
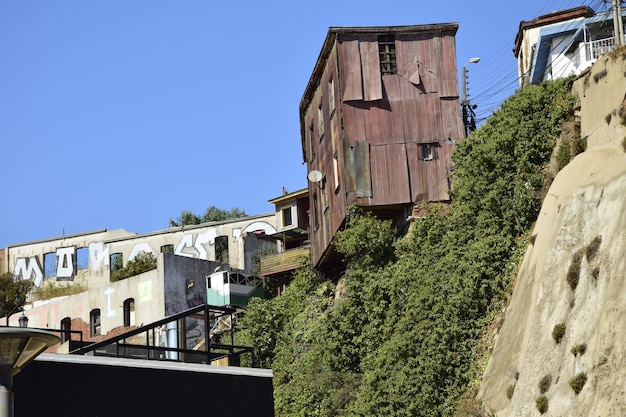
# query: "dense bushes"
[402,338]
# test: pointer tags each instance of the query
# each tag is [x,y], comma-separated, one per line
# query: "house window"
[311,149]
[336,173]
[116,261]
[320,120]
[129,312]
[331,96]
[66,326]
[94,322]
[287,220]
[428,151]
[167,249]
[316,217]
[387,54]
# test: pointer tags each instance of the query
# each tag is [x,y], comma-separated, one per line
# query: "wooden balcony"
[285,261]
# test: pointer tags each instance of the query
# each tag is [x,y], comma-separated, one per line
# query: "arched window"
[129,312]
[94,322]
[66,324]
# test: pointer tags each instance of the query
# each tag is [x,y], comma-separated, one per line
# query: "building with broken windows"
[379,119]
[83,267]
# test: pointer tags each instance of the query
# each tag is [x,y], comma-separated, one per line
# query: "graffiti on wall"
[65,265]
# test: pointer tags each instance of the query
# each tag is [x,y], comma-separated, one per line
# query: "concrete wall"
[85,259]
[84,386]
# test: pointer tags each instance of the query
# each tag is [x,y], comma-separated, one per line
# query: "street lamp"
[18,347]
[468,112]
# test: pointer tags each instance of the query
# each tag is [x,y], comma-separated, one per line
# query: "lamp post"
[18,347]
[468,112]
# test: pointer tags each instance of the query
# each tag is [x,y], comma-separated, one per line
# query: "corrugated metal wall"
[371,150]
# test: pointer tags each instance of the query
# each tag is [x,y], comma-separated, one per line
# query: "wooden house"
[379,119]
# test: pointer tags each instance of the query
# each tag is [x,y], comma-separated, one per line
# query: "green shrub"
[578,382]
[563,155]
[558,332]
[49,290]
[624,144]
[579,349]
[510,390]
[573,273]
[142,262]
[544,384]
[542,404]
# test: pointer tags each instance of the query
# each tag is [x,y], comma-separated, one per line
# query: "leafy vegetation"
[142,262]
[573,272]
[399,333]
[13,292]
[545,383]
[50,290]
[579,349]
[542,404]
[510,390]
[211,214]
[558,332]
[578,382]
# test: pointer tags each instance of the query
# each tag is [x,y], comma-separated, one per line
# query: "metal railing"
[146,342]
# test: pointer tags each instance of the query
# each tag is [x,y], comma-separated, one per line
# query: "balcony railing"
[595,49]
[284,261]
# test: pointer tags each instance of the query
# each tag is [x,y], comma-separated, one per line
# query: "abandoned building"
[379,119]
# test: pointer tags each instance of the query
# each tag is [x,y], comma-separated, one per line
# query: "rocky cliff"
[565,320]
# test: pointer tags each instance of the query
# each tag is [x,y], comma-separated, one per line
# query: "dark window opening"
[387,54]
[116,261]
[287,220]
[94,322]
[167,249]
[129,312]
[221,249]
[66,325]
[428,151]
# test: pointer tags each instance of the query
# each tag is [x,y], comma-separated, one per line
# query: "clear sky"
[121,114]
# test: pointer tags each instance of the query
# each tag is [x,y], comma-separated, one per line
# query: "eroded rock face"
[574,273]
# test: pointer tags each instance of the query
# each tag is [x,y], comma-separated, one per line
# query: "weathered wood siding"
[368,143]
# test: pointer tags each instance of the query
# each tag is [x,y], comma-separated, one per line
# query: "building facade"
[563,43]
[379,119]
[185,256]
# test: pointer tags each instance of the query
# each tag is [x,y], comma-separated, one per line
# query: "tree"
[12,292]
[211,214]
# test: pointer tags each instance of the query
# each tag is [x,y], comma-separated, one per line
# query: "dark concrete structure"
[83,386]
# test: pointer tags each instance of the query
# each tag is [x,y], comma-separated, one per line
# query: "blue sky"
[121,114]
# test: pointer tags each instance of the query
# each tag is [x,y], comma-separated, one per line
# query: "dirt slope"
[582,218]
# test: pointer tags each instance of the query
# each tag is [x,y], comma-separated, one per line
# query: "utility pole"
[467,112]
[618,25]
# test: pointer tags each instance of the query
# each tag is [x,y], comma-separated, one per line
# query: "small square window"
[428,152]
[387,54]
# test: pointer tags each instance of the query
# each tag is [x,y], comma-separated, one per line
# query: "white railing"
[595,49]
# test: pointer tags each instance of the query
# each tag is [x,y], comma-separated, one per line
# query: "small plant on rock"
[544,384]
[558,332]
[579,349]
[510,390]
[542,404]
[578,382]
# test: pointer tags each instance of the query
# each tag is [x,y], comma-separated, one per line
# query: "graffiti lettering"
[29,269]
[65,262]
